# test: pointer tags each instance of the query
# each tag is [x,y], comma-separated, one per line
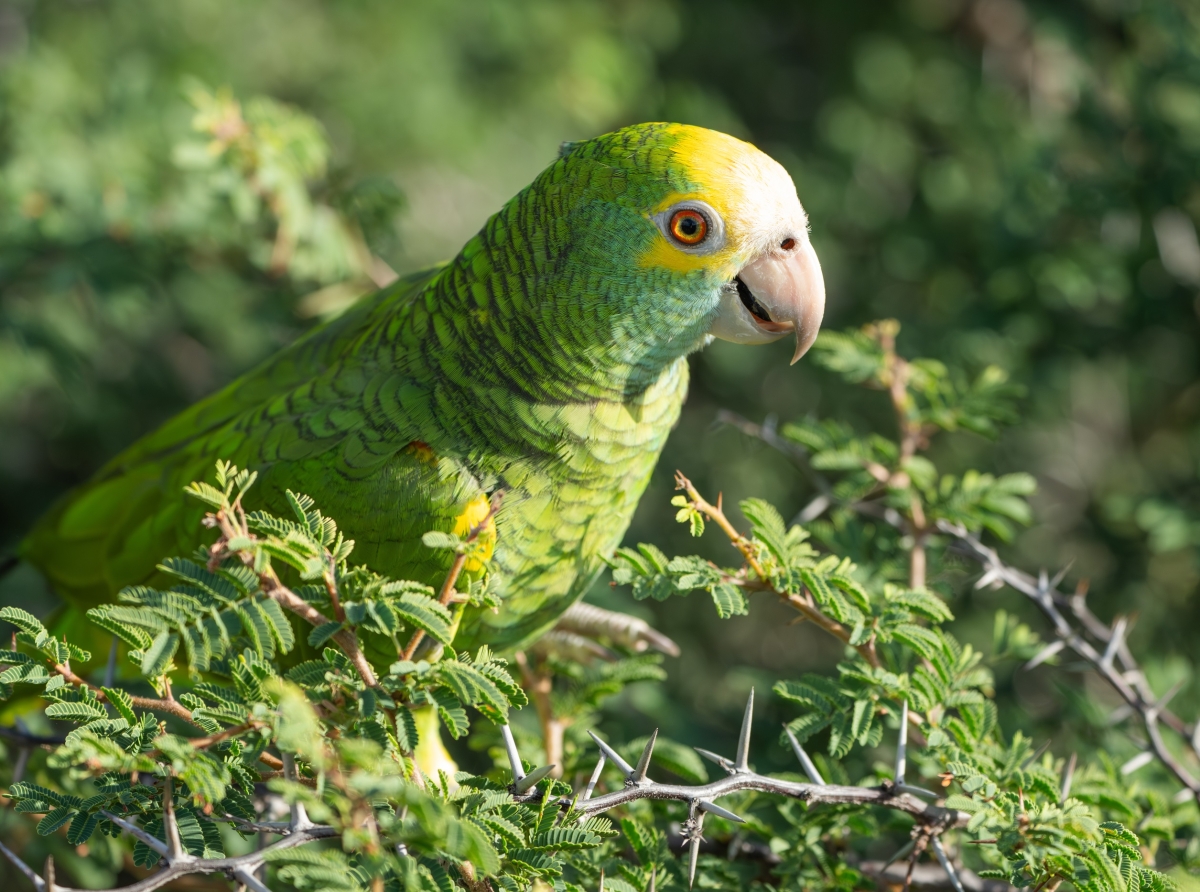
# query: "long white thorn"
[903,852]
[713,808]
[727,764]
[695,835]
[1037,754]
[1161,703]
[742,761]
[298,819]
[595,779]
[18,771]
[110,668]
[20,865]
[693,854]
[246,877]
[809,768]
[152,842]
[1044,654]
[643,765]
[530,780]
[946,865]
[1114,642]
[902,744]
[514,758]
[1061,575]
[613,756]
[1141,760]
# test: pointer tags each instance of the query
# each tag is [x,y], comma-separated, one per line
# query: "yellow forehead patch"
[753,194]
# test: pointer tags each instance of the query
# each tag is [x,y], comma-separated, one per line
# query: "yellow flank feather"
[477,512]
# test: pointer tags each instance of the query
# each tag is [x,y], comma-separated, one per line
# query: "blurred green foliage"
[1014,181]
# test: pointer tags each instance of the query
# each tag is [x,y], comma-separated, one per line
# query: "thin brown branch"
[538,684]
[236,527]
[804,605]
[447,592]
[171,706]
[201,743]
[345,639]
[331,588]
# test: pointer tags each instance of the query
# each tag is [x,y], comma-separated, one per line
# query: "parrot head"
[689,234]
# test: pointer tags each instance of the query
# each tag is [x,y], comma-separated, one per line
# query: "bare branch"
[1128,680]
[152,842]
[20,865]
[227,866]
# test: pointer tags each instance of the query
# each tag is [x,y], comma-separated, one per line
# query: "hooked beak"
[773,295]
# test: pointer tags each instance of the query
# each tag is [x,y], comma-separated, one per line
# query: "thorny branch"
[1128,680]
[895,794]
[1110,657]
[235,868]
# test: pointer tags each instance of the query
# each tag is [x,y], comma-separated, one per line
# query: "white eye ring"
[714,238]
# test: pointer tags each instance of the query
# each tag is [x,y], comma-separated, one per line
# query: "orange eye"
[688,227]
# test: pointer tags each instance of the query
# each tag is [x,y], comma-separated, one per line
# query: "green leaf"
[322,633]
[729,600]
[77,711]
[82,828]
[53,821]
[451,712]
[768,526]
[158,655]
[22,619]
[471,686]
[425,613]
[442,541]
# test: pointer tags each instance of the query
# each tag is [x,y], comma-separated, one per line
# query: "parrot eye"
[689,227]
[692,226]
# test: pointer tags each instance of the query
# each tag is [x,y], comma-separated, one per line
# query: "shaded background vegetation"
[1015,182]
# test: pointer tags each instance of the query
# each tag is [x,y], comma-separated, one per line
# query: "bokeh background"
[1016,182]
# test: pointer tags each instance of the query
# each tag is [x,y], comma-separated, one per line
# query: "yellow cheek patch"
[476,513]
[664,254]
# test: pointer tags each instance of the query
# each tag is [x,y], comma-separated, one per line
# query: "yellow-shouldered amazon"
[549,359]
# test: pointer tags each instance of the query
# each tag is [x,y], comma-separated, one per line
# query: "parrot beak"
[775,294]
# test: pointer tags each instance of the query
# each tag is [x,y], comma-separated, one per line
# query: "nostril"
[788,244]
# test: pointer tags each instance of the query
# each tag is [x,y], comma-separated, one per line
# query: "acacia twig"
[1121,671]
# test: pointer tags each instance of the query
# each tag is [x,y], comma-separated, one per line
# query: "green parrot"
[548,360]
